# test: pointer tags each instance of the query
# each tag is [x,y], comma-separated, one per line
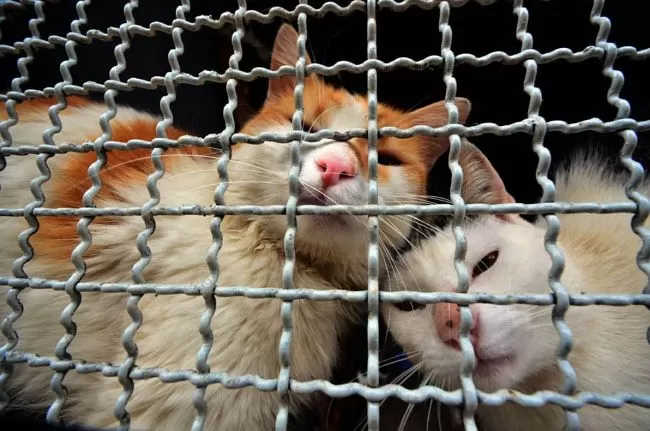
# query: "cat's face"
[333,172]
[511,342]
[504,256]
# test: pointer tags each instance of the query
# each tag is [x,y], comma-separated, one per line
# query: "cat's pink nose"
[333,169]
[446,318]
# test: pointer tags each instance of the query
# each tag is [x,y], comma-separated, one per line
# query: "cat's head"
[333,172]
[505,255]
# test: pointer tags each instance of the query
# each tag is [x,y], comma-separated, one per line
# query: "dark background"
[571,92]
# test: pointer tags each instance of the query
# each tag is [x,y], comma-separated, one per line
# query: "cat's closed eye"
[309,127]
[388,159]
[408,306]
[485,263]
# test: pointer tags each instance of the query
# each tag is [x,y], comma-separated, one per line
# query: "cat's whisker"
[389,224]
[253,165]
[325,111]
[213,185]
[409,409]
[391,361]
[406,197]
[401,378]
[405,418]
[389,255]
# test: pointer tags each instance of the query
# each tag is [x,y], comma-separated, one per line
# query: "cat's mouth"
[486,367]
[309,199]
[325,221]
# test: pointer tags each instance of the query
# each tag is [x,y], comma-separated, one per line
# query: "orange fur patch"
[34,109]
[57,236]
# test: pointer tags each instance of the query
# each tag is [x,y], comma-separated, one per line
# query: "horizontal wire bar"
[418,395]
[228,19]
[409,209]
[429,62]
[212,140]
[328,295]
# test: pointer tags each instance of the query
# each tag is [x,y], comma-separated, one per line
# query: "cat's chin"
[495,373]
[326,221]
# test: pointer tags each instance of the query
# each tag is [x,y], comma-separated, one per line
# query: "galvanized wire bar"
[470,399]
[428,62]
[561,306]
[425,393]
[255,210]
[207,76]
[212,260]
[13,293]
[284,377]
[84,233]
[134,312]
[525,126]
[66,316]
[341,66]
[373,221]
[614,300]
[228,18]
[39,198]
[205,326]
[77,254]
[630,140]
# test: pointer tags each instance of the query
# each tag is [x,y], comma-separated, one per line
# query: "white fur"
[351,116]
[610,351]
[246,331]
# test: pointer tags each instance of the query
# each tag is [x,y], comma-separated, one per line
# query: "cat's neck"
[343,268]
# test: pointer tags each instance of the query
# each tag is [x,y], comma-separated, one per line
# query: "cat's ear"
[435,114]
[285,53]
[481,182]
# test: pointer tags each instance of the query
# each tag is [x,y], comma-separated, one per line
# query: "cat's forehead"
[480,234]
[334,107]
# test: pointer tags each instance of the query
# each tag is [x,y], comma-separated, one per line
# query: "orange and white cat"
[330,250]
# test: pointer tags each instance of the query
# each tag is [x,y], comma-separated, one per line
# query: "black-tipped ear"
[481,182]
[285,53]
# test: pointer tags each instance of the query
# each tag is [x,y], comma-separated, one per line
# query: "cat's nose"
[446,318]
[334,169]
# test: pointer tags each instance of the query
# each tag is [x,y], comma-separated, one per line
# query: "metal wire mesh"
[535,125]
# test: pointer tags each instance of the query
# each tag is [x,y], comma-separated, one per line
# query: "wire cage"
[96,49]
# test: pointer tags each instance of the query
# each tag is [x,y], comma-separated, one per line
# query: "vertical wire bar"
[77,254]
[36,185]
[61,353]
[13,293]
[373,221]
[128,342]
[212,261]
[630,140]
[561,306]
[284,378]
[82,227]
[470,397]
[86,240]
